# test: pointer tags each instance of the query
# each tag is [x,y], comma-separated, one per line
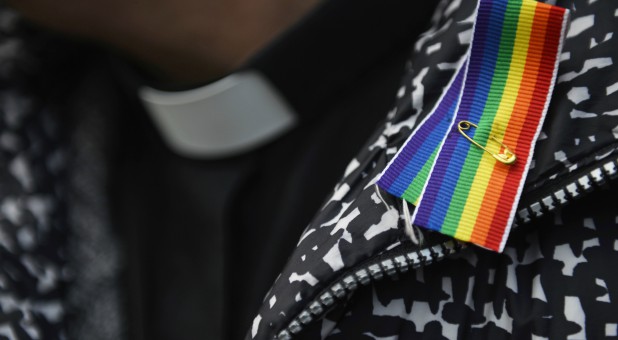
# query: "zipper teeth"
[400,262]
[569,192]
[376,270]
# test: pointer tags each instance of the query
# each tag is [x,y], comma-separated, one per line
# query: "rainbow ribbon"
[464,166]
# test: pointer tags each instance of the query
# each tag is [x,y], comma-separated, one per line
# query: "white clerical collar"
[236,114]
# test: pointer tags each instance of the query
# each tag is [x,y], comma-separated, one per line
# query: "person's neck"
[217,41]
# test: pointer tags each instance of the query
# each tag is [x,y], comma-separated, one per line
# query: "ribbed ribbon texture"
[503,87]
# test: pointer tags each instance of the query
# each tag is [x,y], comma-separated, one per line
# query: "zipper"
[576,186]
[390,264]
[405,258]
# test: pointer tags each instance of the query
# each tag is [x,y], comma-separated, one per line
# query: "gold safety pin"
[507,157]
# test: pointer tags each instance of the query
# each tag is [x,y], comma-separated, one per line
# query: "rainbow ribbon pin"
[464,166]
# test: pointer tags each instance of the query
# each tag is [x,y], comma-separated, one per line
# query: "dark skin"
[180,40]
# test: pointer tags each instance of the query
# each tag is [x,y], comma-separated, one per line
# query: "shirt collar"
[230,116]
